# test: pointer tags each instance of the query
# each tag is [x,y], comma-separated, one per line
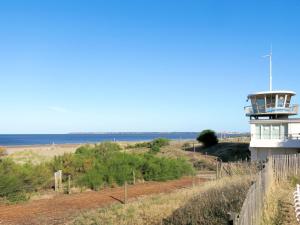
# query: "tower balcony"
[256,110]
[271,103]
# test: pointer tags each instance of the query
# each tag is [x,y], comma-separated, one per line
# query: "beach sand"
[38,153]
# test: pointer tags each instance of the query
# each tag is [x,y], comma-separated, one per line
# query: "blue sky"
[142,65]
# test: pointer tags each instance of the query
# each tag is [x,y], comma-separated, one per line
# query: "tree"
[208,138]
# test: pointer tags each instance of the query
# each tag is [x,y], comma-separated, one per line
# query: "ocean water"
[41,139]
[38,139]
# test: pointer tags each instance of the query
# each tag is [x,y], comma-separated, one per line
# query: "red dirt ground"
[62,208]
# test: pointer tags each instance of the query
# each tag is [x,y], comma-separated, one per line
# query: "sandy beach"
[38,153]
[42,153]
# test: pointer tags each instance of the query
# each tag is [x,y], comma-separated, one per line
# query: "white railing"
[249,110]
[294,136]
[297,202]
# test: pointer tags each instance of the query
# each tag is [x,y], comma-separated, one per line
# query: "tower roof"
[292,93]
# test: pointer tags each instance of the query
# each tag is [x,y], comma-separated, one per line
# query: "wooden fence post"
[58,181]
[69,184]
[125,192]
[133,174]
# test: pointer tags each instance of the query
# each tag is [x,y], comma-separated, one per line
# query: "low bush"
[154,146]
[139,145]
[154,149]
[18,180]
[94,167]
[160,142]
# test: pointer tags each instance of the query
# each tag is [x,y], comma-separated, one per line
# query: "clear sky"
[141,65]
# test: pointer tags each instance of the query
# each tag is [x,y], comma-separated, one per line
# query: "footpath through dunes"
[62,208]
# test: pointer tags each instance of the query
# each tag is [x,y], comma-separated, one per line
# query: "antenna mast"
[271,77]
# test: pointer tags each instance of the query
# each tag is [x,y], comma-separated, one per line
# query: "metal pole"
[194,160]
[271,78]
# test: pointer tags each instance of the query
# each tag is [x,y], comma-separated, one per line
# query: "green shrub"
[92,179]
[160,169]
[154,149]
[69,163]
[17,180]
[119,167]
[106,148]
[92,167]
[160,142]
[139,145]
[84,150]
[208,138]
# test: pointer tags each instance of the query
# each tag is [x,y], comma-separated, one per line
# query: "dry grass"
[279,208]
[150,209]
[239,168]
[212,206]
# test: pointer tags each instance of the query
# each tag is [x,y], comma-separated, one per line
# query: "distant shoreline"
[79,144]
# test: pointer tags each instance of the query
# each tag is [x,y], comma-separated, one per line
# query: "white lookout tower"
[272,131]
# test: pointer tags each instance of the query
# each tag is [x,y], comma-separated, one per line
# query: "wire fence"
[188,182]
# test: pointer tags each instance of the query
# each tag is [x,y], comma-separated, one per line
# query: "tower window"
[270,131]
[280,101]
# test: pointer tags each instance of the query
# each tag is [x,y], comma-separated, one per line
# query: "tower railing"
[285,137]
[270,109]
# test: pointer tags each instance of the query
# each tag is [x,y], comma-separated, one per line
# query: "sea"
[80,138]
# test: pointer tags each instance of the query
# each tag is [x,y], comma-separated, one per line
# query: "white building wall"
[252,130]
[294,130]
[288,144]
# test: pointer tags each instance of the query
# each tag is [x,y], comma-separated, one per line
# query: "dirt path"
[61,208]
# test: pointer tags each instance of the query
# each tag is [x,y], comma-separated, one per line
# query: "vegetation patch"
[16,181]
[153,146]
[212,206]
[89,167]
[228,151]
[105,164]
[279,205]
